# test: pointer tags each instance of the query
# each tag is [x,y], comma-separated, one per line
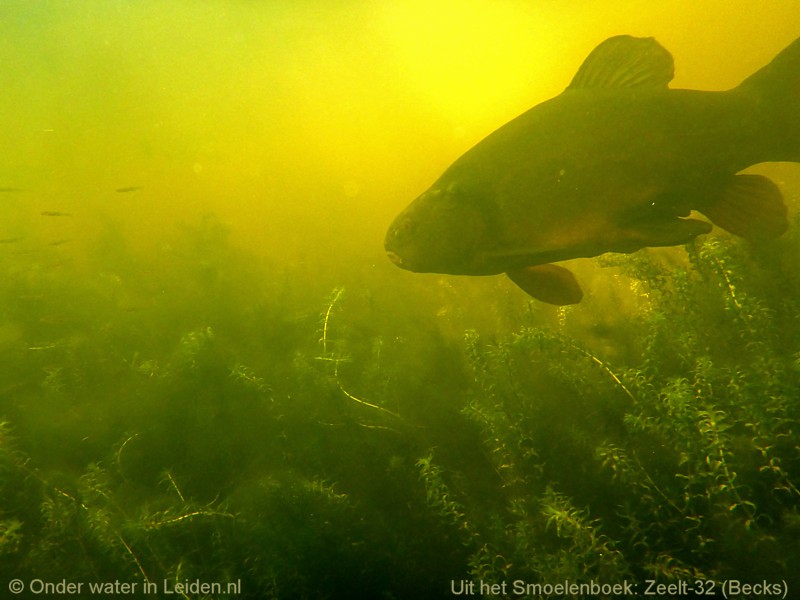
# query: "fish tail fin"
[777,87]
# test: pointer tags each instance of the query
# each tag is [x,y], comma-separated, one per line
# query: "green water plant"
[681,464]
[306,446]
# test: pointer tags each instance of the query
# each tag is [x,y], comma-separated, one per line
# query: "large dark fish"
[615,163]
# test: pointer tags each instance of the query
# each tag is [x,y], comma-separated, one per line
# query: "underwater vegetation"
[306,440]
[681,467]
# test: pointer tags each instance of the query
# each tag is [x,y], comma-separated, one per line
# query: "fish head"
[439,232]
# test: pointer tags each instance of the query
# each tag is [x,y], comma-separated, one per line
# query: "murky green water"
[213,383]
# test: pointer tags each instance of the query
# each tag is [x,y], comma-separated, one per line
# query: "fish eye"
[403,228]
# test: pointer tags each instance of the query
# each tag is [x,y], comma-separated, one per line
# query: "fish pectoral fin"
[624,61]
[750,206]
[657,232]
[549,283]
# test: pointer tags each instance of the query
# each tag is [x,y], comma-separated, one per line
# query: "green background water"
[217,376]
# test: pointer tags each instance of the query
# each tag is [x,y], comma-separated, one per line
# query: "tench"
[615,163]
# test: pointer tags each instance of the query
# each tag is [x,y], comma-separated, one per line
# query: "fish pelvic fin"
[777,87]
[549,283]
[750,206]
[624,61]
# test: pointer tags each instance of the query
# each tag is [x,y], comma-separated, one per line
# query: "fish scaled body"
[613,164]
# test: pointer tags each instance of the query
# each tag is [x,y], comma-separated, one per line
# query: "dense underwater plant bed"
[305,446]
[684,465]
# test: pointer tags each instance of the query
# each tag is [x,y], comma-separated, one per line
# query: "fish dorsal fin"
[624,61]
[548,283]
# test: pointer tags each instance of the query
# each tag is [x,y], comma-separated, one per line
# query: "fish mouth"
[395,258]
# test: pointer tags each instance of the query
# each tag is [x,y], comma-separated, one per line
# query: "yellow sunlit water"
[211,372]
[303,125]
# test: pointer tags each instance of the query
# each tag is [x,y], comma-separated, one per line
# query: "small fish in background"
[59,242]
[9,190]
[55,213]
[615,163]
[52,319]
[10,240]
[129,189]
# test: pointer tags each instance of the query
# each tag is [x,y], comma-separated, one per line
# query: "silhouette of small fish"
[55,213]
[126,190]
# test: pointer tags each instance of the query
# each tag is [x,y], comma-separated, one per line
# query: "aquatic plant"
[335,358]
[306,445]
[682,465]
